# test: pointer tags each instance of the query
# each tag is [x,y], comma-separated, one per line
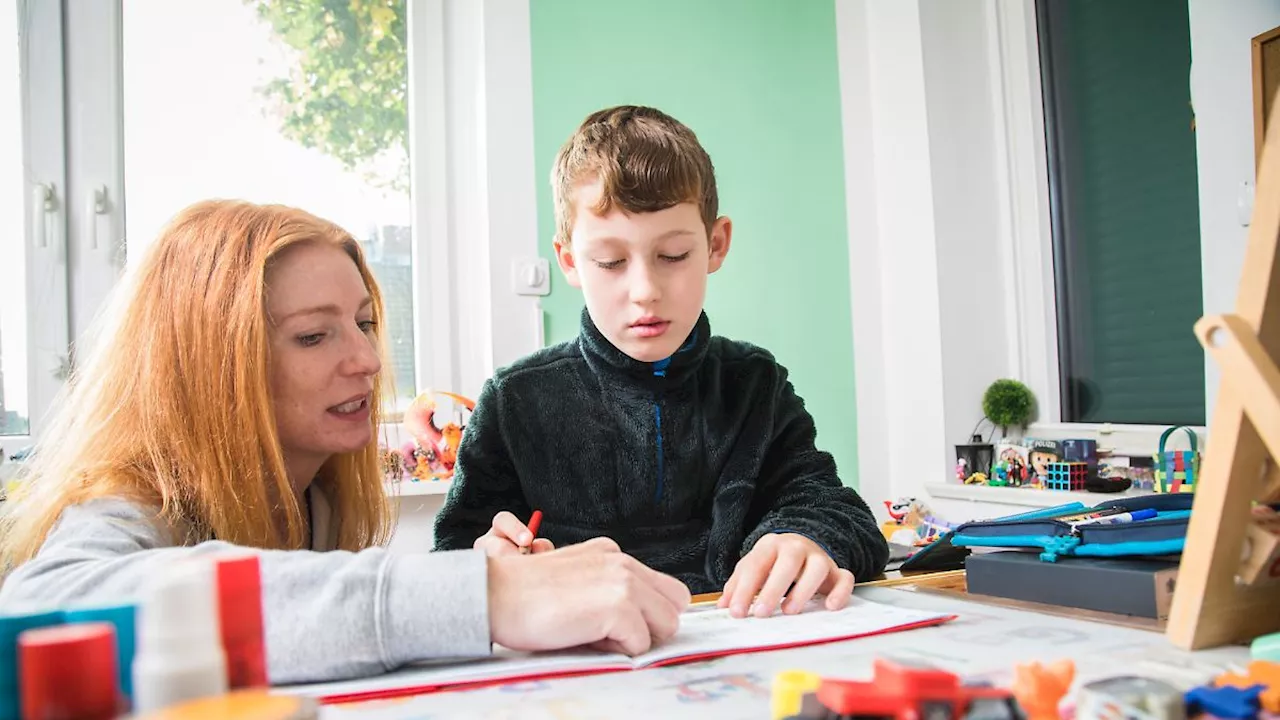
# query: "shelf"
[1023,496]
[409,488]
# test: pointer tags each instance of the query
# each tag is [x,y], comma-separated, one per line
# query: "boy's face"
[644,276]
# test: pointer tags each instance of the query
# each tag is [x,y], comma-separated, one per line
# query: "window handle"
[95,205]
[44,199]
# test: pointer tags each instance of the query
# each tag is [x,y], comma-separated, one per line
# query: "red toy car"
[901,692]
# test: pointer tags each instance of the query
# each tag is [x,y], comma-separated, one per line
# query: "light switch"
[531,276]
[1244,204]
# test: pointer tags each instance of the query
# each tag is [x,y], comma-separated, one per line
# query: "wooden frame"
[1210,607]
[1266,81]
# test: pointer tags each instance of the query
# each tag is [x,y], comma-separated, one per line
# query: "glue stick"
[13,623]
[69,672]
[179,654]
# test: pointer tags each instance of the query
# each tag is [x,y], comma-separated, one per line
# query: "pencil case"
[1054,536]
[943,554]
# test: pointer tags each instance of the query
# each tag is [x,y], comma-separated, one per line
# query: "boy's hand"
[586,594]
[776,562]
[508,535]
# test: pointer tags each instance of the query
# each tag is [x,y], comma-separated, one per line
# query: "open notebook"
[704,633]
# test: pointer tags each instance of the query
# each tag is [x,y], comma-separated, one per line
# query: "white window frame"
[1026,236]
[44,203]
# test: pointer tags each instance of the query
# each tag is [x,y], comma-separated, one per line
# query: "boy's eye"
[310,340]
[675,258]
[609,264]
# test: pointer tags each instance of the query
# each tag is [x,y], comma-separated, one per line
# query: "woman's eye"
[368,326]
[310,340]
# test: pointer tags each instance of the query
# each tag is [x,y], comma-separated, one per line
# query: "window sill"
[1023,496]
[410,488]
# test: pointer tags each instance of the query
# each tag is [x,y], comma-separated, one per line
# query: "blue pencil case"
[1050,532]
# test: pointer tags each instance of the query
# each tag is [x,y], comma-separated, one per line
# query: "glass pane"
[299,102]
[1121,139]
[14,410]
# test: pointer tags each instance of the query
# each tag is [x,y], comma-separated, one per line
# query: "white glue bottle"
[179,654]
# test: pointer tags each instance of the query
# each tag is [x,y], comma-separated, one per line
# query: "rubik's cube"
[1066,476]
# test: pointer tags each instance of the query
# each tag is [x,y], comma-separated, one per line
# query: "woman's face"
[323,357]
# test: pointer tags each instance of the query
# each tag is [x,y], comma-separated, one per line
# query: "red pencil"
[534,521]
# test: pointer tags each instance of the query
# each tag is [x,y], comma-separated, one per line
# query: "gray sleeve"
[327,615]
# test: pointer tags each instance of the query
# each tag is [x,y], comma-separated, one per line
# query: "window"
[33,276]
[1120,142]
[299,102]
[14,405]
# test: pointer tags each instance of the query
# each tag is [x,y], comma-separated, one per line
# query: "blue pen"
[1143,514]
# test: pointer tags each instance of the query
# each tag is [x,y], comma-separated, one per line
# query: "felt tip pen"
[1143,514]
[534,521]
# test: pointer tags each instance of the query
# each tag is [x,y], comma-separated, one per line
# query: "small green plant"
[1008,403]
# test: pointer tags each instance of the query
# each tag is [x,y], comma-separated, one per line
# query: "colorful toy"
[1010,467]
[1266,647]
[911,523]
[1041,454]
[1039,689]
[433,451]
[976,479]
[900,692]
[1067,476]
[1128,697]
[1261,674]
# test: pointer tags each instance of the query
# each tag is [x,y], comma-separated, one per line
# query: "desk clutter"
[193,648]
[1080,465]
[1038,692]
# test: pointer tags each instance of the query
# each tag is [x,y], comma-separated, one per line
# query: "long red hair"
[171,405]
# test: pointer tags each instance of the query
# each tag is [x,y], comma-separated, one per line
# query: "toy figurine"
[1040,689]
[434,450]
[961,466]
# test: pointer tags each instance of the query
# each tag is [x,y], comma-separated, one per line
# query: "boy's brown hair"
[645,159]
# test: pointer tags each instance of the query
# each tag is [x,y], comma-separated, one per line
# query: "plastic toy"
[1224,702]
[1039,688]
[902,692]
[1260,673]
[976,479]
[434,450]
[1266,647]
[1066,476]
[1139,698]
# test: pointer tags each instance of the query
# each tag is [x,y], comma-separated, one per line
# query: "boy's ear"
[718,240]
[564,258]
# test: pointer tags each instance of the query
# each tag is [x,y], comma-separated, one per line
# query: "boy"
[693,452]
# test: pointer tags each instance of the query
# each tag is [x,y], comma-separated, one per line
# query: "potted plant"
[1006,403]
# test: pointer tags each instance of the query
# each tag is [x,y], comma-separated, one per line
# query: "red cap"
[68,672]
[240,613]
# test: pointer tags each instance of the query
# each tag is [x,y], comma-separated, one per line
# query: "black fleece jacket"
[685,462]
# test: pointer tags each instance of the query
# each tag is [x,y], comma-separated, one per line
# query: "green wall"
[757,81]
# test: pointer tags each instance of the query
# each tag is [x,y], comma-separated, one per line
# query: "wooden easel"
[1243,455]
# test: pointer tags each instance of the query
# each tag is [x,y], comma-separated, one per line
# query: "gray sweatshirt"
[328,615]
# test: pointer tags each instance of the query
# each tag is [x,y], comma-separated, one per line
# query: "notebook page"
[504,664]
[713,631]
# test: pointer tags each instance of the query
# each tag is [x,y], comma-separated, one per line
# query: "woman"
[233,401]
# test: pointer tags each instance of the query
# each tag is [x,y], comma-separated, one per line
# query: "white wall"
[921,178]
[1222,90]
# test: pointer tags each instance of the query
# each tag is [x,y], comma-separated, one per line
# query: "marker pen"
[1143,514]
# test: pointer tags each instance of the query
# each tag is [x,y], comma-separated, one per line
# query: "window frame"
[1026,236]
[40,48]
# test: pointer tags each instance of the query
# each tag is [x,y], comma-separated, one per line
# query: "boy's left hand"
[777,562]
